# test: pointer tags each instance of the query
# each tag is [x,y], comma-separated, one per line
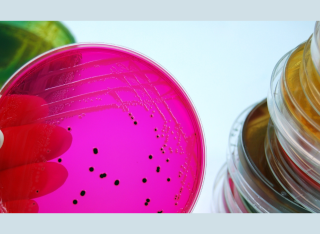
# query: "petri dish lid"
[105,129]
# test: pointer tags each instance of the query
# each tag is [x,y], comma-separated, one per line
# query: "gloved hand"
[27,144]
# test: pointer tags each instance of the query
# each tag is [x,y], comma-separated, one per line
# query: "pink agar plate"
[92,128]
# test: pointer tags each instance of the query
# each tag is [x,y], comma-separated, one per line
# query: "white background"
[223,66]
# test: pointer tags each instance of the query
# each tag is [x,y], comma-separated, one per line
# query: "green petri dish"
[21,41]
[247,205]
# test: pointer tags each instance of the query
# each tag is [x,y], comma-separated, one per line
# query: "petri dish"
[310,79]
[249,208]
[239,172]
[294,96]
[225,208]
[234,199]
[249,169]
[253,142]
[226,198]
[117,134]
[297,186]
[315,47]
[291,126]
[297,171]
[21,41]
[275,168]
[312,68]
[218,202]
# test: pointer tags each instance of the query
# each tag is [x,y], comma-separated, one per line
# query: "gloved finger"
[31,181]
[32,143]
[16,110]
[20,206]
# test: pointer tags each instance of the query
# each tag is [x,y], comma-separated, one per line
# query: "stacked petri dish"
[273,157]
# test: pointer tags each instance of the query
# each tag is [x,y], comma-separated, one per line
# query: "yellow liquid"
[294,97]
